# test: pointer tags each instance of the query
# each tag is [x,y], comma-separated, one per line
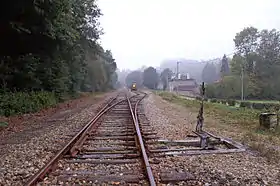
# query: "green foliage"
[224,102]
[258,106]
[134,77]
[225,66]
[246,104]
[229,87]
[165,77]
[3,124]
[213,100]
[150,78]
[198,98]
[231,102]
[258,58]
[209,73]
[20,102]
[53,47]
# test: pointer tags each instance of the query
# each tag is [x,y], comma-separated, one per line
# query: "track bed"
[107,152]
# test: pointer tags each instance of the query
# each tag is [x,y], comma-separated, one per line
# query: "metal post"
[177,76]
[242,83]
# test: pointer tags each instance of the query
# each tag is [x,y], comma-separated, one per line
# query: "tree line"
[149,78]
[257,60]
[53,46]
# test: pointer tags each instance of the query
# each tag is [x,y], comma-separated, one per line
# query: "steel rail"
[39,176]
[79,143]
[140,140]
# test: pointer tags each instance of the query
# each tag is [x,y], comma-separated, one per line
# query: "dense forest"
[256,61]
[50,50]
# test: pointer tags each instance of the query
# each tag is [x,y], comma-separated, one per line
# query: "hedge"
[213,100]
[231,102]
[258,106]
[246,104]
[224,102]
[23,102]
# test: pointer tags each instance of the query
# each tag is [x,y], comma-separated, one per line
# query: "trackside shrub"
[213,100]
[231,102]
[198,98]
[23,102]
[224,102]
[277,107]
[271,106]
[246,104]
[258,106]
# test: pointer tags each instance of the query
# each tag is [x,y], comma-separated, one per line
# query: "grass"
[3,124]
[241,124]
[260,101]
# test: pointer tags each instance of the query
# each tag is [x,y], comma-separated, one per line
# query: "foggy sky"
[145,32]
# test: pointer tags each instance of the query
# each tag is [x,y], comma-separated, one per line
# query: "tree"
[224,66]
[267,64]
[246,43]
[229,87]
[258,56]
[52,46]
[134,77]
[150,78]
[209,74]
[165,77]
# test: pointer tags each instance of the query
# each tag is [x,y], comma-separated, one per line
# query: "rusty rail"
[51,164]
[140,140]
[73,146]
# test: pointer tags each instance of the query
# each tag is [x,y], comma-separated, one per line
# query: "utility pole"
[242,83]
[177,76]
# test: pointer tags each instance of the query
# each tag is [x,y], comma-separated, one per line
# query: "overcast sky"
[145,32]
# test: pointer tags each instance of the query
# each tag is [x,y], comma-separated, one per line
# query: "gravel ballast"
[175,122]
[25,152]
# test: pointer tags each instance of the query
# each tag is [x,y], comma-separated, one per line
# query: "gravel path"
[22,154]
[175,122]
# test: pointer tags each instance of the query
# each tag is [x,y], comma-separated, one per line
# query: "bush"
[245,104]
[258,106]
[231,102]
[271,106]
[213,100]
[224,102]
[21,102]
[198,98]
[277,107]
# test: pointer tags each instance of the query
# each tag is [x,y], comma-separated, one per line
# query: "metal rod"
[242,83]
[177,76]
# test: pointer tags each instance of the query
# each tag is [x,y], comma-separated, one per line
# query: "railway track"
[108,150]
